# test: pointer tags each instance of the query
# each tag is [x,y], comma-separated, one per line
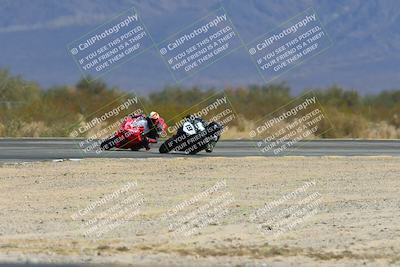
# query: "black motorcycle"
[193,136]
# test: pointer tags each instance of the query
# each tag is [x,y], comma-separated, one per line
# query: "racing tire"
[163,148]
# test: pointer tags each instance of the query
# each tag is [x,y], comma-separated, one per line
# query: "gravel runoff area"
[252,211]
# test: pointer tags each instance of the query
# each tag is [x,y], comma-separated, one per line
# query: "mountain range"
[364,55]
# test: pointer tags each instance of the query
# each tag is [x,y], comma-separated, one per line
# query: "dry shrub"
[2,130]
[344,125]
[243,126]
[234,132]
[381,130]
[33,129]
[239,129]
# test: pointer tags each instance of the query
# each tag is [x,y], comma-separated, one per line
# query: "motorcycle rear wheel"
[163,148]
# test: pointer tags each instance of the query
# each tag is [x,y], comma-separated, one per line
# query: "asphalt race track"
[20,150]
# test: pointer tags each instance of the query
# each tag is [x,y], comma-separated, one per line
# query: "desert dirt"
[350,210]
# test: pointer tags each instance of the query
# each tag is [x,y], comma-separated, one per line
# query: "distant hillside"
[365,54]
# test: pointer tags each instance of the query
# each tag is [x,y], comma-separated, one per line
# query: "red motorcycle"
[135,133]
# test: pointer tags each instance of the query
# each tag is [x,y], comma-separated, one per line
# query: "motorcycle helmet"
[154,117]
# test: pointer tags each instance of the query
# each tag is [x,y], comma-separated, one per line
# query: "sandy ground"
[331,211]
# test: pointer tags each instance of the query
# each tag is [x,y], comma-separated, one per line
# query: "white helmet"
[154,115]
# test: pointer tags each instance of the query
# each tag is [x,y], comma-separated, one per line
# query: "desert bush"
[28,110]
